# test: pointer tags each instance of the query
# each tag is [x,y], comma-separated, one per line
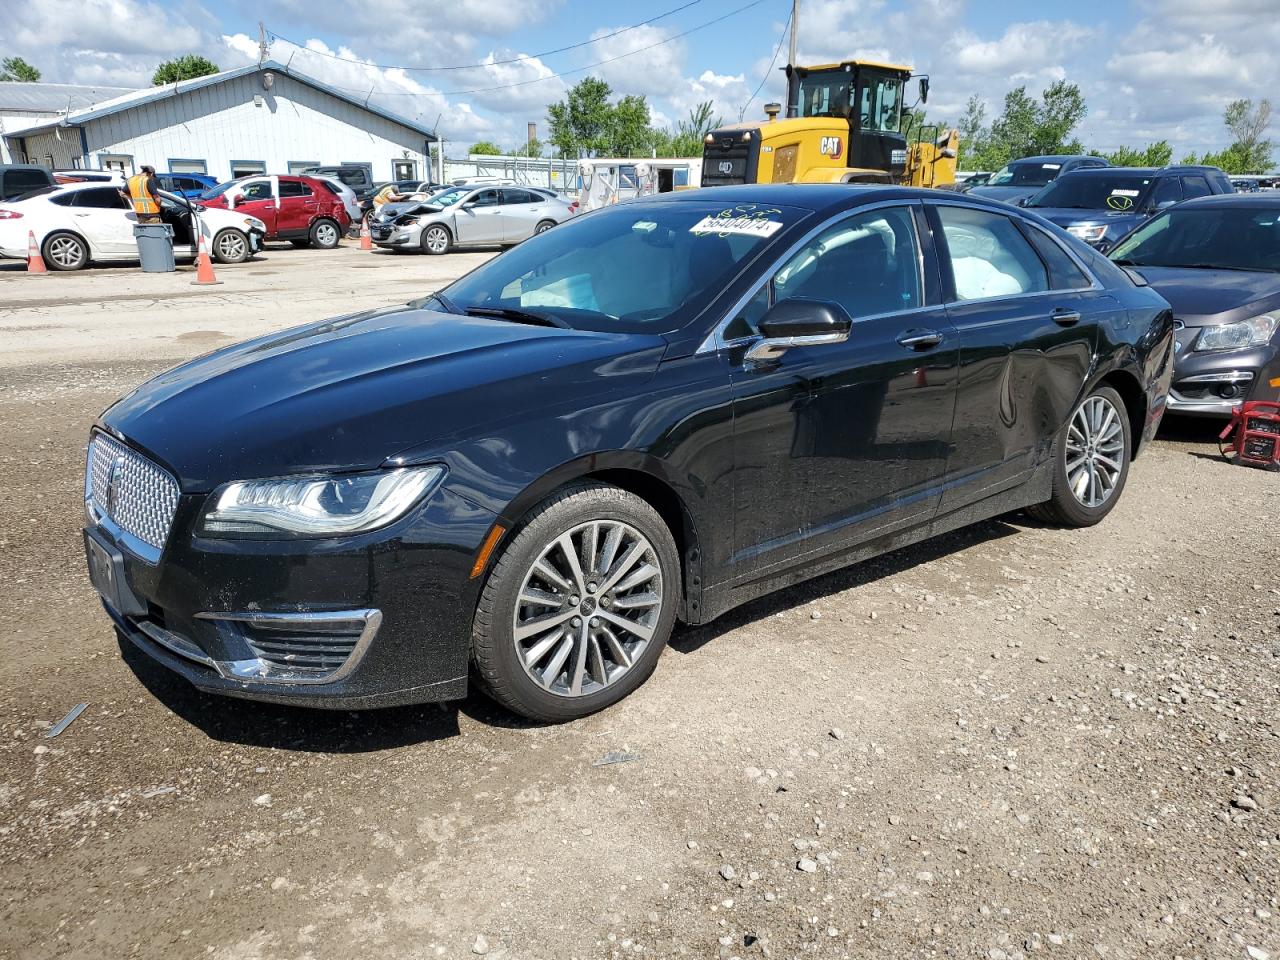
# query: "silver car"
[466,216]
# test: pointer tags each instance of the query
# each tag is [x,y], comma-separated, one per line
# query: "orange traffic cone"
[366,238]
[204,267]
[35,262]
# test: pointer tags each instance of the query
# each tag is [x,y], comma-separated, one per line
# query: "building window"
[187,166]
[116,161]
[404,170]
[299,167]
[246,168]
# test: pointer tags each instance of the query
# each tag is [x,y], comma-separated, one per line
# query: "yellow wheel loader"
[844,124]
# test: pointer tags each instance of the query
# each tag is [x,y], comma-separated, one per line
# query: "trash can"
[155,247]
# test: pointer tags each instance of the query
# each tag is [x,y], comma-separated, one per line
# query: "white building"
[24,105]
[257,119]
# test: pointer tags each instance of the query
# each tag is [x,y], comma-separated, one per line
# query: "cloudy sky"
[1149,70]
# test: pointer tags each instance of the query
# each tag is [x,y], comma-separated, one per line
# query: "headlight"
[315,506]
[1232,336]
[1089,234]
[254,224]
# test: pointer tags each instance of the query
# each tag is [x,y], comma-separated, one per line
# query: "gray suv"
[1022,178]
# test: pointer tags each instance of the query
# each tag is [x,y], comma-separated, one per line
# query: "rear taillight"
[10,215]
[573,207]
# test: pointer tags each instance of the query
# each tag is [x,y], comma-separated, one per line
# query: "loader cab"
[869,96]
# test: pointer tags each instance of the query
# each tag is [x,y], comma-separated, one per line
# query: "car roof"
[820,196]
[1111,172]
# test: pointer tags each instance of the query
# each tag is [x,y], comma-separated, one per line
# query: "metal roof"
[54,97]
[137,98]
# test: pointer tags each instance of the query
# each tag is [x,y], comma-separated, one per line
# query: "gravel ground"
[1013,741]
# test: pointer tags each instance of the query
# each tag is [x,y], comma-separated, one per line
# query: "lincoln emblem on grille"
[113,484]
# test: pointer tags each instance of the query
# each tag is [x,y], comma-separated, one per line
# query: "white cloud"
[644,72]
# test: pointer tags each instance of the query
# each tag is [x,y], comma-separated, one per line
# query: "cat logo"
[726,166]
[831,147]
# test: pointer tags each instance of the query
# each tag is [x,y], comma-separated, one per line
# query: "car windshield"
[448,198]
[1223,238]
[1023,174]
[1116,192]
[632,268]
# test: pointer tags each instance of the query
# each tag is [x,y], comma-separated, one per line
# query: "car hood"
[1007,194]
[1203,298]
[349,393]
[1117,223]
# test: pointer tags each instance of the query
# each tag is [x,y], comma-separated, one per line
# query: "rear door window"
[989,256]
[1195,187]
[1064,274]
[294,188]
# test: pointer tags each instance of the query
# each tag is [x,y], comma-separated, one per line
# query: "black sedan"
[1217,261]
[653,413]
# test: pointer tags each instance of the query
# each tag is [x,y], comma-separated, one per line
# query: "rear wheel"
[544,226]
[65,251]
[325,234]
[436,240]
[579,605]
[230,246]
[1091,462]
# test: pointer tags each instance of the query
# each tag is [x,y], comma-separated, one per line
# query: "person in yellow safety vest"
[388,194]
[144,193]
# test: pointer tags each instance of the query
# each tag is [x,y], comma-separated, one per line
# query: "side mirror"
[469,205]
[924,89]
[800,322]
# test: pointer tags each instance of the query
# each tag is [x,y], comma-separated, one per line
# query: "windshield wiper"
[519,316]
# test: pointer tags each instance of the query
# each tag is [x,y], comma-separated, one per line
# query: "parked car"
[88,176]
[1023,178]
[655,412]
[1101,206]
[190,185]
[350,202]
[353,175]
[1217,261]
[464,216]
[77,224]
[303,210]
[19,178]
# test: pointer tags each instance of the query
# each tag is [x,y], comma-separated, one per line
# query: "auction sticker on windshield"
[744,221]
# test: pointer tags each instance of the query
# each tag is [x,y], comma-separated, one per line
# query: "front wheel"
[1091,462]
[579,605]
[230,246]
[325,234]
[436,240]
[65,251]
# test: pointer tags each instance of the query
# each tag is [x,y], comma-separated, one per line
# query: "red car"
[302,210]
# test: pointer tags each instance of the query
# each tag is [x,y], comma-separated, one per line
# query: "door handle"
[1065,318]
[920,339]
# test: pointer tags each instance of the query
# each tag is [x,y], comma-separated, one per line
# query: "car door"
[479,218]
[257,198]
[519,214]
[838,443]
[106,220]
[296,207]
[1026,347]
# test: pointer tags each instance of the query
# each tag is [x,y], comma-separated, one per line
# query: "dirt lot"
[1012,742]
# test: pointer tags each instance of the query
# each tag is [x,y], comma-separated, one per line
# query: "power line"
[520,59]
[782,36]
[550,76]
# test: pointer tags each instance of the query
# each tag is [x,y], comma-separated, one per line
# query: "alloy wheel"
[588,607]
[543,227]
[231,247]
[437,240]
[1095,451]
[326,234]
[66,252]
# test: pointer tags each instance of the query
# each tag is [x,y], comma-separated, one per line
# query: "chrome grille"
[139,499]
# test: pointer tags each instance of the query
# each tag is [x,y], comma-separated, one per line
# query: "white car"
[345,194]
[76,224]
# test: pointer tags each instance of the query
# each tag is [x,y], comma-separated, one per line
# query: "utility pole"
[263,49]
[792,108]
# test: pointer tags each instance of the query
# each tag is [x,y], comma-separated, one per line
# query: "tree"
[689,134]
[186,67]
[485,148]
[15,69]
[1158,154]
[973,132]
[1026,127]
[532,148]
[1249,153]
[581,122]
[1060,111]
[629,131]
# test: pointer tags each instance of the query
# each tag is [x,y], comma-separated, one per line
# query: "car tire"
[436,239]
[325,234]
[230,246]
[65,251]
[585,642]
[543,226]
[1090,462]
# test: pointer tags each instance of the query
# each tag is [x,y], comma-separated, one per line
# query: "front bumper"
[1212,384]
[393,236]
[378,620]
